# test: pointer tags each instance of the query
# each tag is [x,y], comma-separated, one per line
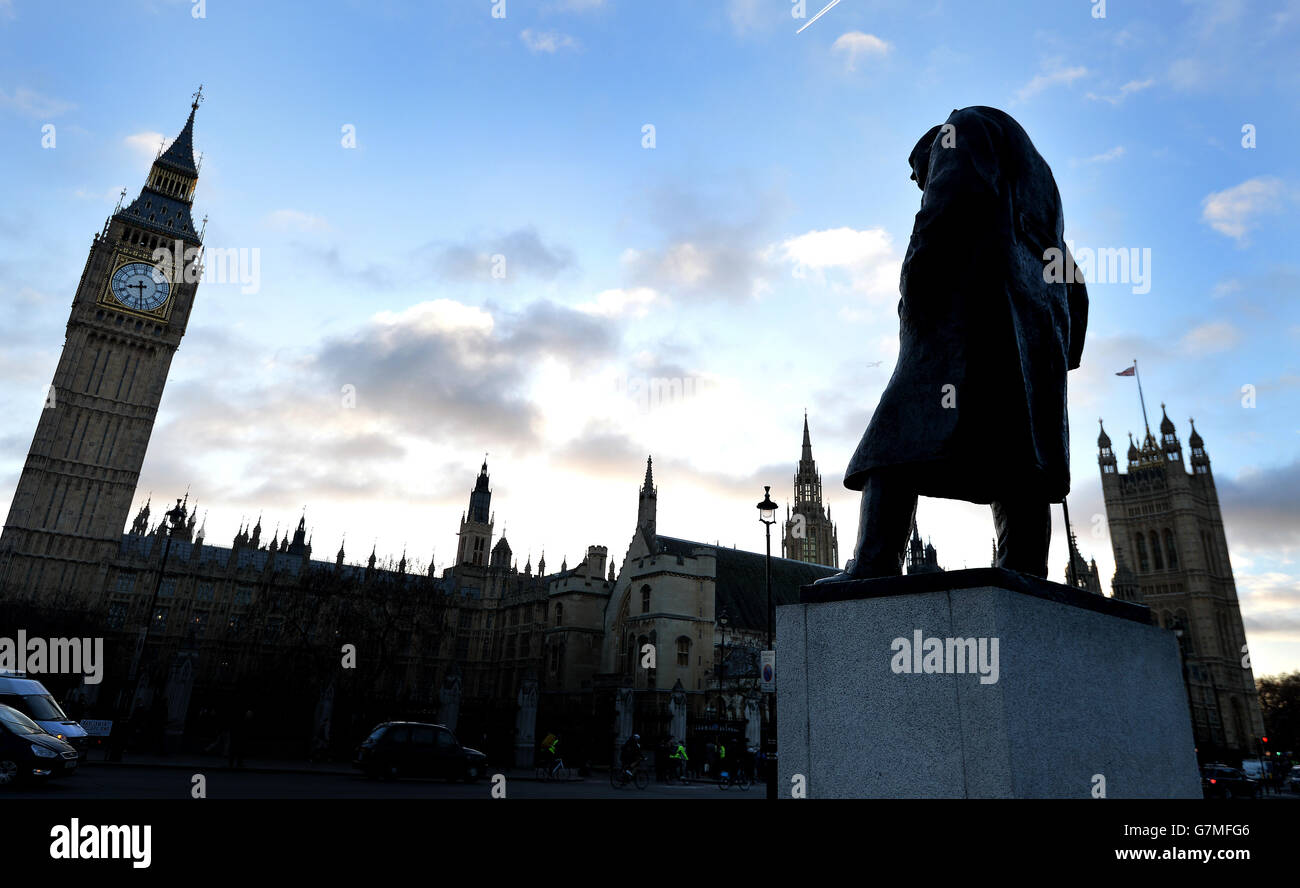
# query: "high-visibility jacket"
[722,751]
[680,753]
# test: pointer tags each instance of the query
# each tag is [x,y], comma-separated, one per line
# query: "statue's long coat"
[975,409]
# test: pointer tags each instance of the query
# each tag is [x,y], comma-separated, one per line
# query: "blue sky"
[751,255]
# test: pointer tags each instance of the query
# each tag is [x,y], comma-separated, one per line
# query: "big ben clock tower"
[128,316]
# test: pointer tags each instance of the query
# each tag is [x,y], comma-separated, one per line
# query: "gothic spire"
[179,157]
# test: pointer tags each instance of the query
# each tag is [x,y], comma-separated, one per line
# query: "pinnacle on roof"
[1103,440]
[179,156]
[1195,440]
[1166,426]
[648,487]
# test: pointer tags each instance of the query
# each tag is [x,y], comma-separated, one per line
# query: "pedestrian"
[239,734]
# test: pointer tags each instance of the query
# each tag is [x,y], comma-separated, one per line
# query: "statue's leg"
[1024,531]
[888,507]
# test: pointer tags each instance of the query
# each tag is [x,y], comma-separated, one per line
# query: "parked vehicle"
[416,749]
[27,752]
[1293,779]
[1222,782]
[30,697]
[1254,768]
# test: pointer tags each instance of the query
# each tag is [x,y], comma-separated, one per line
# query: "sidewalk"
[198,763]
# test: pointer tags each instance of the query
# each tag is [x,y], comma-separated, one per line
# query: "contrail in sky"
[818,15]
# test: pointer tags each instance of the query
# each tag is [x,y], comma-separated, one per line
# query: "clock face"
[141,286]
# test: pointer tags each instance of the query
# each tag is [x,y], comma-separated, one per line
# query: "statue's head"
[919,159]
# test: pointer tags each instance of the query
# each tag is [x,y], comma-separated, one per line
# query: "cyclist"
[680,759]
[552,750]
[631,754]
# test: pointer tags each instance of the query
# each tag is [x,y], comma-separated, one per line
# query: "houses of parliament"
[207,622]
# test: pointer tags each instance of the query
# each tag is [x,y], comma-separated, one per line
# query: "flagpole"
[1141,397]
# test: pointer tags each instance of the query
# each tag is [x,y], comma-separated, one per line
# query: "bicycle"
[676,771]
[555,772]
[734,778]
[621,777]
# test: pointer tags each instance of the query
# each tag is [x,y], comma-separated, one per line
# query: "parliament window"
[645,599]
[683,651]
[116,615]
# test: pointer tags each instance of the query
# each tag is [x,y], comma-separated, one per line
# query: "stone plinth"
[1086,695]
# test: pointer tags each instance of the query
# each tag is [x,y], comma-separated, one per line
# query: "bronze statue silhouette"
[975,409]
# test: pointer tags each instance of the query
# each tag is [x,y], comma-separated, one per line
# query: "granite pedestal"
[1084,697]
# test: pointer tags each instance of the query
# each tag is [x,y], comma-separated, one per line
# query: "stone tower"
[129,312]
[809,534]
[648,502]
[476,524]
[921,558]
[1172,555]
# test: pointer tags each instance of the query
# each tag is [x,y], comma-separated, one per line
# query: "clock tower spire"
[129,312]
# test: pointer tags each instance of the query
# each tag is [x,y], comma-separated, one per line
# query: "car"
[27,752]
[1222,782]
[1293,779]
[416,749]
[1254,768]
[31,698]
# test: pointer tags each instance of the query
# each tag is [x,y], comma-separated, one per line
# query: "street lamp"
[723,620]
[174,518]
[767,515]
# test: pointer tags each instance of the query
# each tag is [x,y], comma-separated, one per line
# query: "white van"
[30,697]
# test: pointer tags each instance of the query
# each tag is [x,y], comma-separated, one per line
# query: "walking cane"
[1069,545]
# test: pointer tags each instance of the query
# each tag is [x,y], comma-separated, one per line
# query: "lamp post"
[174,517]
[723,619]
[767,515]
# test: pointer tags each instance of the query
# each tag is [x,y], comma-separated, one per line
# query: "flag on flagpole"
[1129,372]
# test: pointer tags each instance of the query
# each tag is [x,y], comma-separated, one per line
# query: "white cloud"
[1056,76]
[32,103]
[1133,86]
[547,41]
[855,44]
[615,303]
[297,220]
[1214,336]
[746,16]
[868,257]
[1106,156]
[110,194]
[1236,210]
[436,316]
[146,143]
